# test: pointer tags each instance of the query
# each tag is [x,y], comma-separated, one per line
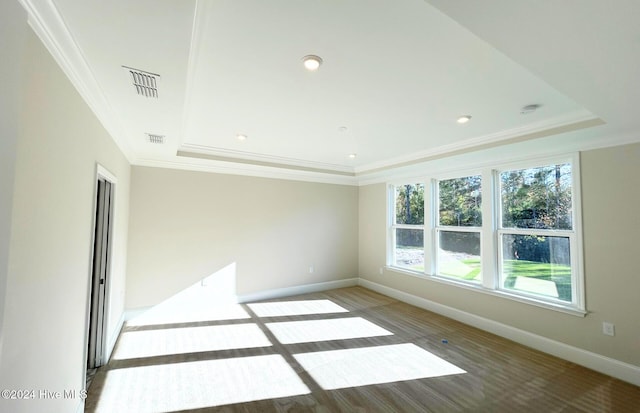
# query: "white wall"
[13,35]
[185,226]
[610,199]
[45,308]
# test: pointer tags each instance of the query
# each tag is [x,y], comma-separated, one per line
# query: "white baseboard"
[299,289]
[615,368]
[113,337]
[267,294]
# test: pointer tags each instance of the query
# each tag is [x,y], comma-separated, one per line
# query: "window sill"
[496,293]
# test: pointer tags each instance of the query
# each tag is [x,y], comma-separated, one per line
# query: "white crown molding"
[577,118]
[602,140]
[612,367]
[608,141]
[230,168]
[511,152]
[49,26]
[231,154]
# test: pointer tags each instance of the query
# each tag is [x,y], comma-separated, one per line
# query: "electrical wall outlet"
[311,269]
[608,329]
[381,271]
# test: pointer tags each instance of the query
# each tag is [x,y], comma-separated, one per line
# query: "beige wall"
[185,226]
[45,311]
[610,199]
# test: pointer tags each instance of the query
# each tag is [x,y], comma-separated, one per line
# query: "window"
[408,227]
[458,231]
[508,230]
[536,235]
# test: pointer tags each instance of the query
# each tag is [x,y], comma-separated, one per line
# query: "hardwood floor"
[427,353]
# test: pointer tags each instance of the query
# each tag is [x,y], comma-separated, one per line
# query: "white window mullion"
[577,263]
[460,229]
[391,256]
[541,232]
[498,245]
[488,238]
[430,220]
[391,242]
[577,283]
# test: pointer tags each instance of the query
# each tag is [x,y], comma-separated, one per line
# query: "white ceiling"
[396,73]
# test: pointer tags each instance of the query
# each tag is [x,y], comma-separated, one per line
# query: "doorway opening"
[99,279]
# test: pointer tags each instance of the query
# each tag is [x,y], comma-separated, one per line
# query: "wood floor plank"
[501,376]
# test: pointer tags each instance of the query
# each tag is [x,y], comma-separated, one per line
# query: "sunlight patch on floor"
[290,332]
[288,308]
[149,343]
[189,312]
[199,384]
[340,369]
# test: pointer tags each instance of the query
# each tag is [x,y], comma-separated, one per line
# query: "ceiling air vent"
[145,83]
[152,138]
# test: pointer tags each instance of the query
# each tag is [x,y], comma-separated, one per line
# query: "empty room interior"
[327,206]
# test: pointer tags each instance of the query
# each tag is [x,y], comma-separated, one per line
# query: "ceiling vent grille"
[157,139]
[145,83]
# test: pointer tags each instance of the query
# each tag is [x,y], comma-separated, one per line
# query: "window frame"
[491,232]
[574,235]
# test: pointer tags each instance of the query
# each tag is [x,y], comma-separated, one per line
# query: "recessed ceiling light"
[311,62]
[464,119]
[352,156]
[529,109]
[241,137]
[342,129]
